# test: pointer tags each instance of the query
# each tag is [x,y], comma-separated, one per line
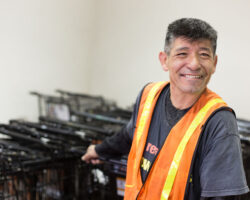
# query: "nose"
[194,62]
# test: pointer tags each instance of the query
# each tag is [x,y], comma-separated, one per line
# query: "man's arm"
[116,145]
[221,167]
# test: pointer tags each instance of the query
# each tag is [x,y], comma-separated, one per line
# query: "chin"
[193,90]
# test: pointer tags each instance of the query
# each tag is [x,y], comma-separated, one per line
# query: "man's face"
[190,65]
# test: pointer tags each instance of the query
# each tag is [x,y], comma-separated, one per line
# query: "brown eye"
[181,54]
[205,55]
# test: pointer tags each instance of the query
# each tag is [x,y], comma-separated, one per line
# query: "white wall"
[129,35]
[44,45]
[110,47]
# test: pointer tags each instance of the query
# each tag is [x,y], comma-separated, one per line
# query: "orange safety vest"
[167,178]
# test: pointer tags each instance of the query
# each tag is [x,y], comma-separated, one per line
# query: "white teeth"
[193,76]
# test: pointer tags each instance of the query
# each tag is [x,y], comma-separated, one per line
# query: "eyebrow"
[182,48]
[206,49]
[186,48]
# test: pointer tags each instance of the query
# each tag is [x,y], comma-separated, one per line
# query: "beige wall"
[44,45]
[110,47]
[131,33]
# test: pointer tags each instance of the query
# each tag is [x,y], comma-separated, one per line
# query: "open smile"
[190,76]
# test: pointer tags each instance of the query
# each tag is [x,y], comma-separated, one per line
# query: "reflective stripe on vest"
[146,109]
[178,154]
[145,115]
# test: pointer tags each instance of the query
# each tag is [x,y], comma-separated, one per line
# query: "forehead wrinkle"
[182,48]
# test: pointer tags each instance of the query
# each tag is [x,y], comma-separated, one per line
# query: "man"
[182,137]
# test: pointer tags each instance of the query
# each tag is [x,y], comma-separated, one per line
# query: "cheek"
[208,66]
[177,65]
[211,70]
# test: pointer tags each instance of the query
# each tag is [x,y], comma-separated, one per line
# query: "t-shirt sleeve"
[119,144]
[221,171]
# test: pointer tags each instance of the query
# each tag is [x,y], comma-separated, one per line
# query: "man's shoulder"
[138,99]
[221,124]
[223,116]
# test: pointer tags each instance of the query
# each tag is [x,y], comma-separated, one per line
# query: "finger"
[85,158]
[95,161]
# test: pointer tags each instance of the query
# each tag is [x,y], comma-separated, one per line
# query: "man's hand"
[91,155]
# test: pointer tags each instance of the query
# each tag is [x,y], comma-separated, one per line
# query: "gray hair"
[192,29]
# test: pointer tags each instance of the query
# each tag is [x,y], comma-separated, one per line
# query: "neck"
[182,100]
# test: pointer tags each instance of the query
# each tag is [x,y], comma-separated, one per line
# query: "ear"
[215,62]
[163,57]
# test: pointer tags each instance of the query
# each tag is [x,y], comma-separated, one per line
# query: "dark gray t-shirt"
[217,168]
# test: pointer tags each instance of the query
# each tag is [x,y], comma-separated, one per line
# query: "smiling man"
[190,65]
[182,139]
